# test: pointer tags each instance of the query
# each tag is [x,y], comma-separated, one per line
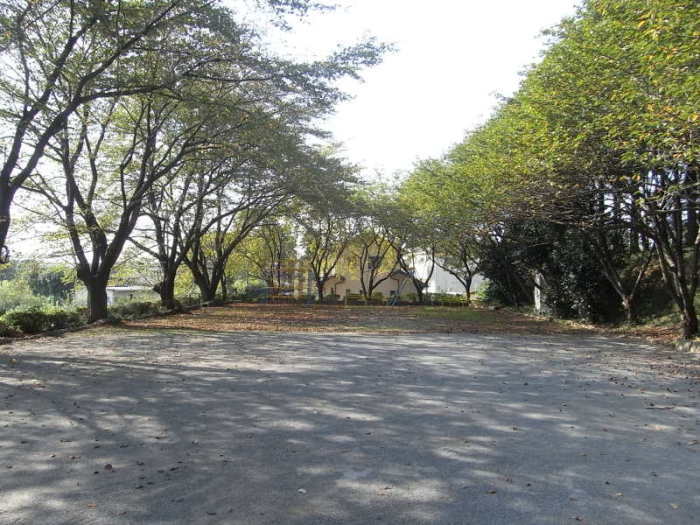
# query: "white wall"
[441,280]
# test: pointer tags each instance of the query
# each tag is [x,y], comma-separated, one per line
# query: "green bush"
[30,321]
[189,300]
[6,330]
[354,298]
[445,299]
[35,319]
[61,319]
[134,310]
[410,298]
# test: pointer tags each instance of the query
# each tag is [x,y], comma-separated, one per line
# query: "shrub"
[448,299]
[377,298]
[189,300]
[30,321]
[354,298]
[35,319]
[133,310]
[6,330]
[331,298]
[61,319]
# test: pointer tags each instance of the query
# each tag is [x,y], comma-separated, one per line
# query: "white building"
[120,294]
[441,282]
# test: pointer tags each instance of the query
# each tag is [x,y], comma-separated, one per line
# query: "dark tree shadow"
[152,426]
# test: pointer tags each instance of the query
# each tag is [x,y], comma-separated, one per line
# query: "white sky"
[453,57]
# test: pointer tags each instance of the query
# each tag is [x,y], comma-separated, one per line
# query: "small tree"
[326,236]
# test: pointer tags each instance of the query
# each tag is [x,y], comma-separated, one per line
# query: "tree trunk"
[224,289]
[468,290]
[366,292]
[319,288]
[419,292]
[628,306]
[97,298]
[690,322]
[692,212]
[167,291]
[689,314]
[5,203]
[207,294]
[683,293]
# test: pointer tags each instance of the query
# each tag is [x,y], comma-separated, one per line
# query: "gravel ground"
[153,426]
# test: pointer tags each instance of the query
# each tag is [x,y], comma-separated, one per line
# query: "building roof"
[128,288]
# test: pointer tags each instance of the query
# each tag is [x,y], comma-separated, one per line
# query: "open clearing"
[385,320]
[151,424]
[356,319]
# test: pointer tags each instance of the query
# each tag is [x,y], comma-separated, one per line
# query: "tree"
[600,139]
[370,251]
[270,252]
[228,84]
[326,236]
[618,95]
[41,279]
[413,240]
[62,55]
[110,158]
[458,227]
[212,192]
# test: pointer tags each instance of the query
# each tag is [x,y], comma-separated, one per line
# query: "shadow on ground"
[177,427]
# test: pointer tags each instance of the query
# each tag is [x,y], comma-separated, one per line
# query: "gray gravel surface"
[260,428]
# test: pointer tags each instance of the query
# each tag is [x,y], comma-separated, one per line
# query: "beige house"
[398,283]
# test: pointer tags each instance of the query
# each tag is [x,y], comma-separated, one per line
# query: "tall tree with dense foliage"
[601,138]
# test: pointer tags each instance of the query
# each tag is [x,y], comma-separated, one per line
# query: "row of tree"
[168,124]
[371,233]
[585,182]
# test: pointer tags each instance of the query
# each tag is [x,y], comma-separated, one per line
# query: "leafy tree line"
[168,125]
[585,182]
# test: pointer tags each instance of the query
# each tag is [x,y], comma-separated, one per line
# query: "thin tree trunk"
[224,289]
[627,306]
[690,321]
[674,277]
[419,292]
[6,196]
[167,291]
[692,212]
[468,290]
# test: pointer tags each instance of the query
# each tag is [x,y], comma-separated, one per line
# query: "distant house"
[397,282]
[120,294]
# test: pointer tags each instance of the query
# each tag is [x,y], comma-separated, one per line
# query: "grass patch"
[456,314]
